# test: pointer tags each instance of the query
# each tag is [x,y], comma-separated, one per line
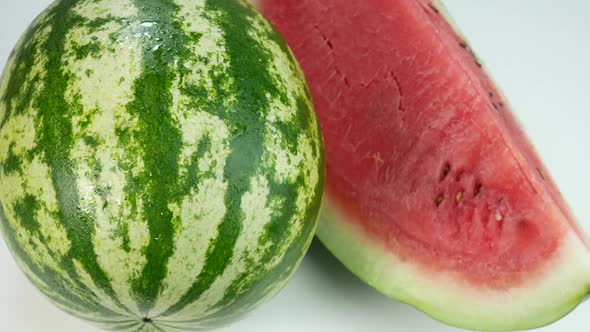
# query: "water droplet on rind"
[147,24]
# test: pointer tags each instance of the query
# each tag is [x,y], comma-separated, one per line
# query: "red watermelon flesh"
[428,168]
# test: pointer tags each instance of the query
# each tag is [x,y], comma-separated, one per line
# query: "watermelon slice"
[434,195]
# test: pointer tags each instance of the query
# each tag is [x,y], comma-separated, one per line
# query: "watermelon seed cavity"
[446,170]
[477,189]
[331,47]
[460,174]
[541,173]
[434,9]
[439,200]
[329,43]
[324,37]
[459,197]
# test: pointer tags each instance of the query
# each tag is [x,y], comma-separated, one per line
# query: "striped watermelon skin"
[161,164]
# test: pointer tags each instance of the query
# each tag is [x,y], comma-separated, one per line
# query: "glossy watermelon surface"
[161,165]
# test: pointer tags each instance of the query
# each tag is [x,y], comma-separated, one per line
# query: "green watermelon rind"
[92,127]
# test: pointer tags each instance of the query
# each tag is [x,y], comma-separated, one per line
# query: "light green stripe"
[205,149]
[247,251]
[101,83]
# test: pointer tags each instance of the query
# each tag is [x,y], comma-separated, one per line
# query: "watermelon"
[434,196]
[161,163]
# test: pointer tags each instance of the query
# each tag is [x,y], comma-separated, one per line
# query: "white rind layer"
[549,295]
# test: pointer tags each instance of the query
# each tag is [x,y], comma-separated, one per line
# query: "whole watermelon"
[161,165]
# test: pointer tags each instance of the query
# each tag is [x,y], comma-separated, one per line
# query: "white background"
[539,53]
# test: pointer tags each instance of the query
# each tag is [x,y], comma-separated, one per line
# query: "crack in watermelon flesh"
[424,156]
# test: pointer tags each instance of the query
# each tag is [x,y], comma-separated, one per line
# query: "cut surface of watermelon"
[434,195]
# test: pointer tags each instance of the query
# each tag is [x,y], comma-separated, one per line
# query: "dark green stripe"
[85,301]
[249,287]
[278,230]
[13,163]
[275,233]
[54,136]
[237,298]
[248,66]
[194,176]
[25,210]
[163,42]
